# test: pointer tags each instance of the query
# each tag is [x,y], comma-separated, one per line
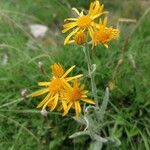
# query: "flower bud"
[80,38]
[40,64]
[44,113]
[24,92]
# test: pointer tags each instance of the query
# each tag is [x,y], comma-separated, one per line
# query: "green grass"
[21,124]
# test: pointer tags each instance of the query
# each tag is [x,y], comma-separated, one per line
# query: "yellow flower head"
[103,34]
[84,22]
[72,97]
[80,38]
[58,82]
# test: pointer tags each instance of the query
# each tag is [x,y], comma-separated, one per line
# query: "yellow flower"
[80,38]
[84,22]
[59,81]
[72,97]
[104,34]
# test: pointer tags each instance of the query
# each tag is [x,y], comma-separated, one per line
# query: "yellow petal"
[77,109]
[91,8]
[70,35]
[74,77]
[84,96]
[40,92]
[54,104]
[51,98]
[96,9]
[70,19]
[43,101]
[66,85]
[101,9]
[96,16]
[70,41]
[100,22]
[57,70]
[88,101]
[68,108]
[43,83]
[77,12]
[76,84]
[64,104]
[69,26]
[106,45]
[91,32]
[81,14]
[105,22]
[68,71]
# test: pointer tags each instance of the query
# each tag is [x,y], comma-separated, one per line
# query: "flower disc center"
[55,85]
[101,36]
[76,95]
[84,21]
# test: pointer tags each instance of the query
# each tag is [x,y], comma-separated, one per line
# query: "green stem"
[91,73]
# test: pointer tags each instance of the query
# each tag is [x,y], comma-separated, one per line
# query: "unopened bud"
[80,38]
[40,64]
[24,92]
[111,85]
[44,113]
[41,67]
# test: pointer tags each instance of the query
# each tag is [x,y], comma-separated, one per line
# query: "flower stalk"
[91,73]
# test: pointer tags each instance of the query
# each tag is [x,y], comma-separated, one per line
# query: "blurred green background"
[21,55]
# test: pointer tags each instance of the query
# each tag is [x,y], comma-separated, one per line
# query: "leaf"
[145,140]
[79,134]
[104,104]
[80,120]
[133,132]
[117,132]
[95,145]
[114,141]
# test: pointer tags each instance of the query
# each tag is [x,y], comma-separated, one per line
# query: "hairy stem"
[91,73]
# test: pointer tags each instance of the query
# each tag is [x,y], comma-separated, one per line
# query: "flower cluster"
[64,92]
[86,28]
